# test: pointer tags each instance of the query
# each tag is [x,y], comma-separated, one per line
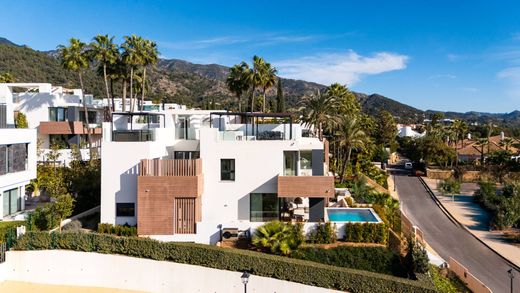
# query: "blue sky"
[451,55]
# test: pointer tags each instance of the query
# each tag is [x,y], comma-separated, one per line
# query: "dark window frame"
[53,114]
[227,173]
[123,209]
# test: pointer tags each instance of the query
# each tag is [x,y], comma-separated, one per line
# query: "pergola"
[253,119]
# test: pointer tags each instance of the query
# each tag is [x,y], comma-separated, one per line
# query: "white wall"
[60,267]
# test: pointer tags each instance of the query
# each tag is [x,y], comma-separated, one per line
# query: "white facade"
[257,166]
[17,162]
[35,102]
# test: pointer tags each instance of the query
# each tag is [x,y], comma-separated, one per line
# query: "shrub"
[325,233]
[119,230]
[450,186]
[373,259]
[272,266]
[8,231]
[278,237]
[73,226]
[21,121]
[366,232]
[416,258]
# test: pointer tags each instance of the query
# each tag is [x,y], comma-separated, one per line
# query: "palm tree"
[345,101]
[482,143]
[132,57]
[75,58]
[105,52]
[317,111]
[118,72]
[267,79]
[254,78]
[507,142]
[237,81]
[150,55]
[352,137]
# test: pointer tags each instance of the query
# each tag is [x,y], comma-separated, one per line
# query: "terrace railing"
[169,167]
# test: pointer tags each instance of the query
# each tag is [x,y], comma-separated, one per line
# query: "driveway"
[448,239]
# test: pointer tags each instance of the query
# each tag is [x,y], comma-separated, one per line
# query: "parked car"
[408,165]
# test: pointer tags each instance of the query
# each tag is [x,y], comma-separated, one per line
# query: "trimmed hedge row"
[9,227]
[374,259]
[119,230]
[256,263]
[366,232]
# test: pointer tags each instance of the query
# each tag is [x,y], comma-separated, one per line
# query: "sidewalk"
[471,215]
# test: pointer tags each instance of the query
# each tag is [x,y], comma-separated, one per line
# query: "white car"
[408,166]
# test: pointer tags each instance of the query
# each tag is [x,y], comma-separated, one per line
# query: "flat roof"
[253,114]
[138,113]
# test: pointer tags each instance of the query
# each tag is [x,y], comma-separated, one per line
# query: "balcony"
[136,127]
[66,127]
[305,186]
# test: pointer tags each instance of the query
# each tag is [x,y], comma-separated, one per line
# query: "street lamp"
[511,276]
[245,279]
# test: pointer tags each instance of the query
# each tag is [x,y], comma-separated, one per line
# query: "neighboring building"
[470,149]
[407,131]
[58,115]
[188,175]
[17,161]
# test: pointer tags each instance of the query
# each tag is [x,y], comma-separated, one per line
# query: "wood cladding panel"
[156,203]
[176,167]
[65,127]
[306,186]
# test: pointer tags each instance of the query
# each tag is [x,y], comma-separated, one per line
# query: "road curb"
[453,219]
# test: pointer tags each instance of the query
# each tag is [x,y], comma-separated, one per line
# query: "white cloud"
[447,76]
[512,76]
[345,68]
[204,43]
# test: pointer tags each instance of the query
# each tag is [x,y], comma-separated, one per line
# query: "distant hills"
[180,81]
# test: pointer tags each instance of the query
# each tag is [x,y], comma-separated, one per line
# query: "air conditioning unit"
[228,234]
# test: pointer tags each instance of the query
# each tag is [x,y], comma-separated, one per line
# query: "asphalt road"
[448,239]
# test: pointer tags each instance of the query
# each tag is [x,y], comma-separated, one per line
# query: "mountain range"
[180,81]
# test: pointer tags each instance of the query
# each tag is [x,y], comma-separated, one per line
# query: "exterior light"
[245,279]
[511,274]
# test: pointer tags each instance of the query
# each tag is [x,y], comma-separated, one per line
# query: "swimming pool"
[360,215]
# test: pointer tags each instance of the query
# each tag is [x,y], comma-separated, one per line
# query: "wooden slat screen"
[176,167]
[184,216]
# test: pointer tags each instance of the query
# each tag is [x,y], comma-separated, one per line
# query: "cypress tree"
[280,99]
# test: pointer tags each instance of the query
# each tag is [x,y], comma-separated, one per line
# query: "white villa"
[58,115]
[194,175]
[17,160]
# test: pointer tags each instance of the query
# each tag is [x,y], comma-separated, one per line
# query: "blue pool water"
[352,215]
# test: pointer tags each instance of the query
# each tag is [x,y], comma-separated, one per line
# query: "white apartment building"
[17,161]
[57,113]
[190,175]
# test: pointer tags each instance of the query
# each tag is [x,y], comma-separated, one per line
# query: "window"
[125,209]
[92,117]
[58,114]
[227,169]
[289,163]
[306,160]
[12,201]
[264,207]
[186,155]
[13,158]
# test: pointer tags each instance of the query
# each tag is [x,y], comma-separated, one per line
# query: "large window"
[125,209]
[13,158]
[92,117]
[227,169]
[306,160]
[289,163]
[187,155]
[12,201]
[58,114]
[264,207]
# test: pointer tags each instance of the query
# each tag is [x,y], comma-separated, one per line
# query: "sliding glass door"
[12,201]
[264,207]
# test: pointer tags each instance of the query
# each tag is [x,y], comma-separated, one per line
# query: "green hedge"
[119,230]
[366,233]
[260,264]
[8,228]
[374,259]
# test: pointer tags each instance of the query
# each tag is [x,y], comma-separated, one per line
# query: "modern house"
[58,115]
[17,161]
[192,175]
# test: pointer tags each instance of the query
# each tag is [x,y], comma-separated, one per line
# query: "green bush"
[256,263]
[416,258]
[278,237]
[325,233]
[373,259]
[119,230]
[8,231]
[366,233]
[73,226]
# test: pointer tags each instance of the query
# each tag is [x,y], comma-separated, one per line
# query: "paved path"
[471,215]
[448,239]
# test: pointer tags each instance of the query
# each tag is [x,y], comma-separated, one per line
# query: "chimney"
[502,136]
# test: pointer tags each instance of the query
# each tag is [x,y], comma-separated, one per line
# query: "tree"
[75,58]
[105,52]
[21,121]
[132,57]
[267,80]
[62,207]
[317,110]
[150,55]
[450,186]
[507,142]
[237,81]
[7,77]
[280,99]
[386,129]
[345,102]
[482,143]
[351,137]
